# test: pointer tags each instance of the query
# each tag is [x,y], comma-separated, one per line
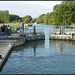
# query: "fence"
[68,30]
[42,30]
[32,30]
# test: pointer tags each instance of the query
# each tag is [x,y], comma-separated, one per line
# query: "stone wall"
[61,37]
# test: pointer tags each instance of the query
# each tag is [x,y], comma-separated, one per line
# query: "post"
[20,27]
[34,30]
[72,36]
[13,29]
[23,27]
[63,27]
[0,56]
[61,30]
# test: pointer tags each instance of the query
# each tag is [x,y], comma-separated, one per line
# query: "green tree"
[27,18]
[4,16]
[40,18]
[33,20]
[64,12]
[49,18]
[14,18]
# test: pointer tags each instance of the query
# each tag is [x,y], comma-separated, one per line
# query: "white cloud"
[49,4]
[33,8]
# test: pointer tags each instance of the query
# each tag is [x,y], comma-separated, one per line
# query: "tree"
[33,20]
[64,12]
[40,19]
[14,18]
[4,16]
[72,5]
[27,18]
[49,18]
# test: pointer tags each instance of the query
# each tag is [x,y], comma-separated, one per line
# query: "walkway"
[4,49]
[3,37]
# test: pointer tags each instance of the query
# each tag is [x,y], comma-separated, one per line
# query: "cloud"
[33,8]
[44,3]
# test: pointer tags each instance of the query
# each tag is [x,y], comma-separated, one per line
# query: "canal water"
[42,57]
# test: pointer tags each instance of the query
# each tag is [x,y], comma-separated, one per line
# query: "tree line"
[6,17]
[64,12]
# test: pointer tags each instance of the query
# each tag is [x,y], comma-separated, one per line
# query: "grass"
[17,24]
[11,24]
[30,23]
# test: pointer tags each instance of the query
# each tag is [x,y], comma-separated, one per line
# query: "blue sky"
[33,8]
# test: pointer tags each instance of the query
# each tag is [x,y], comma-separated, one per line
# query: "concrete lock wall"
[61,37]
[19,42]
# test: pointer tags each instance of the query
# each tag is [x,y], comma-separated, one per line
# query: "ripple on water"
[57,58]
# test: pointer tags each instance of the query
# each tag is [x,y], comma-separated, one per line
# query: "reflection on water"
[64,46]
[34,50]
[61,47]
[47,43]
[42,57]
[46,33]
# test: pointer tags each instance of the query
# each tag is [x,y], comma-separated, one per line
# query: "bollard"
[34,30]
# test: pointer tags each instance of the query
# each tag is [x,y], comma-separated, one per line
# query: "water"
[42,57]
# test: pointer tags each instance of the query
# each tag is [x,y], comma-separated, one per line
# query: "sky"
[32,8]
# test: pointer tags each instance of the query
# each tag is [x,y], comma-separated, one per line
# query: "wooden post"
[61,30]
[34,30]
[0,56]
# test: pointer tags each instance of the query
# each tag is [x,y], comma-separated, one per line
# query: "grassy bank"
[14,24]
[11,24]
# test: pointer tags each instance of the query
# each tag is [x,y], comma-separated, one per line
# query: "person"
[3,29]
[63,23]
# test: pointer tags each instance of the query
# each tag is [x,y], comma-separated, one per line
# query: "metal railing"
[30,30]
[68,30]
[42,30]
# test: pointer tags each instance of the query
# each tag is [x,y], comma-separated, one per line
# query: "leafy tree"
[64,12]
[4,16]
[27,18]
[14,18]
[49,18]
[40,19]
[72,6]
[33,20]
